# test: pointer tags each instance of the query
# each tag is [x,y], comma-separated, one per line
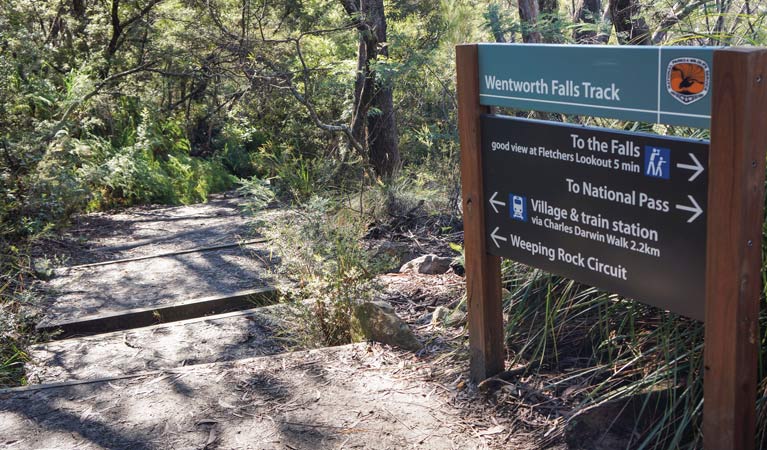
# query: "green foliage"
[258,192]
[94,116]
[404,196]
[155,168]
[239,143]
[295,175]
[321,250]
[16,326]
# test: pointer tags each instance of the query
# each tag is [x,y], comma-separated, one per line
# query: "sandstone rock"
[428,264]
[385,306]
[376,321]
[456,318]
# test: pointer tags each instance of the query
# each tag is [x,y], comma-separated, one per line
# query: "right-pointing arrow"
[695,208]
[494,202]
[497,237]
[697,167]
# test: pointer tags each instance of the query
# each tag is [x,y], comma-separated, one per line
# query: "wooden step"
[126,319]
[144,292]
[223,337]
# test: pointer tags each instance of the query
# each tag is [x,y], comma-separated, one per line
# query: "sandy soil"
[357,396]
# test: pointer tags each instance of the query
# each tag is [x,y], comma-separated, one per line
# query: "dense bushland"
[121,102]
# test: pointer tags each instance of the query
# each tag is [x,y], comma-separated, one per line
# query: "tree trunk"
[589,11]
[493,17]
[382,126]
[548,6]
[116,29]
[528,12]
[78,8]
[378,129]
[630,27]
[549,9]
[363,89]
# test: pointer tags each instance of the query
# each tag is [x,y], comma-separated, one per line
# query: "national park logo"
[687,79]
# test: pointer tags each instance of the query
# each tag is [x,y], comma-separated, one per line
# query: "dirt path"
[230,380]
[146,230]
[353,396]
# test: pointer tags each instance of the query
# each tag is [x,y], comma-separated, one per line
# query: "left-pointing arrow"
[695,208]
[497,237]
[494,202]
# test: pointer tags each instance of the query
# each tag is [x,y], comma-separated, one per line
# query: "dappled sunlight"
[153,282]
[306,399]
[444,224]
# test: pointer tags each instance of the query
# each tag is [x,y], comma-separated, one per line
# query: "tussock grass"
[16,328]
[609,350]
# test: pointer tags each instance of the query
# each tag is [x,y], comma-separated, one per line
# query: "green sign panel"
[669,85]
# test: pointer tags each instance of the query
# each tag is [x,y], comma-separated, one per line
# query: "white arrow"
[494,202]
[496,237]
[695,208]
[698,167]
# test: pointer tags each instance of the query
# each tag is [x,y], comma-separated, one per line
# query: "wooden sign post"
[734,248]
[483,271]
[732,83]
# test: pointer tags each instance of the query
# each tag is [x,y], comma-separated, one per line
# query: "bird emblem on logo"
[688,79]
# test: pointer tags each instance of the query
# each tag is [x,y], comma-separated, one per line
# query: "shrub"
[322,251]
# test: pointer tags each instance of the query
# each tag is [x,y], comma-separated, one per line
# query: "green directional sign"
[669,85]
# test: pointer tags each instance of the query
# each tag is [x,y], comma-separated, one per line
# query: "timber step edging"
[60,270]
[143,317]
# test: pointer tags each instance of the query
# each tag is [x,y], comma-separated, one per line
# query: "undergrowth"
[606,349]
[16,326]
[321,240]
[609,350]
[44,183]
[154,166]
[320,250]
